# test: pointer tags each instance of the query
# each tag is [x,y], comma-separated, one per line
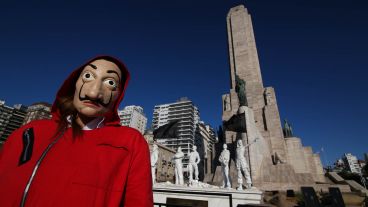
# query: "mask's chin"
[87,114]
[89,111]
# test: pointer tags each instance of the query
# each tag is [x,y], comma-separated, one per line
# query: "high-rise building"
[11,118]
[351,162]
[205,139]
[37,111]
[188,116]
[134,117]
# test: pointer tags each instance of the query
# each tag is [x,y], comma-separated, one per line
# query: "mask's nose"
[94,90]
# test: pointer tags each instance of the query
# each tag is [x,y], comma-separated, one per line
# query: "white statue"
[242,165]
[224,160]
[193,164]
[154,159]
[178,157]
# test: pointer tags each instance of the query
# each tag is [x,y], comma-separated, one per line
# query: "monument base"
[211,196]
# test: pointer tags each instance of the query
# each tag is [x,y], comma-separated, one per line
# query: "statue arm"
[154,160]
[198,158]
[254,141]
[220,158]
[177,156]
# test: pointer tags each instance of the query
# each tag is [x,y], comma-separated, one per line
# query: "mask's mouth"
[94,102]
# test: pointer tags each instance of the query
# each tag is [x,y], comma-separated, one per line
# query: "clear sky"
[314,53]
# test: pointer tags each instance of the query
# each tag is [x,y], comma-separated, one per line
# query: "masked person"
[82,156]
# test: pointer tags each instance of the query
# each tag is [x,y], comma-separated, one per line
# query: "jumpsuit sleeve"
[138,191]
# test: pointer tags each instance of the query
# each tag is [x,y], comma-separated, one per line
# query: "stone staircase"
[354,186]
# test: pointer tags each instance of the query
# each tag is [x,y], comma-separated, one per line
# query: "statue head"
[155,147]
[179,149]
[194,148]
[239,143]
[225,146]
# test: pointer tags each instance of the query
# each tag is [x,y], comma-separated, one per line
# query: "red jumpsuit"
[108,166]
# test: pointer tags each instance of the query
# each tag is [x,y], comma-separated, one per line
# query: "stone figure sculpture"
[268,98]
[194,159]
[227,106]
[288,130]
[240,90]
[178,157]
[154,159]
[242,165]
[276,159]
[224,160]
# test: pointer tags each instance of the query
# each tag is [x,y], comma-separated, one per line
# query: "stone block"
[356,187]
[335,177]
[215,197]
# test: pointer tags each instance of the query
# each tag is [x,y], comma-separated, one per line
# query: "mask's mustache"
[97,101]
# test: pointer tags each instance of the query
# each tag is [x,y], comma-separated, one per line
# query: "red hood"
[68,88]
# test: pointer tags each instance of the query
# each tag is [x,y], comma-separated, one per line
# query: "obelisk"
[272,160]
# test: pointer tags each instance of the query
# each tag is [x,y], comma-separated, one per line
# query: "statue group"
[194,160]
[241,166]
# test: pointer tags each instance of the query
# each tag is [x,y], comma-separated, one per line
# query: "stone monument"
[275,162]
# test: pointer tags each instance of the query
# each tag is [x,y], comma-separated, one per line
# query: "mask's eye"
[87,76]
[111,83]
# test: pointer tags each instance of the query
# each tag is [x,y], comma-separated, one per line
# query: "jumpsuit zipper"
[25,192]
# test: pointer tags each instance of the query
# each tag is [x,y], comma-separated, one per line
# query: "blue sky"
[314,53]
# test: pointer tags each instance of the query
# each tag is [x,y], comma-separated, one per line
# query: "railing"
[193,193]
[168,205]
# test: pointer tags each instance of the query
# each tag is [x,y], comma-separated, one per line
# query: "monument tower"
[276,161]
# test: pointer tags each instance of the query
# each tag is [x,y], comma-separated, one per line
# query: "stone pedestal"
[215,197]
